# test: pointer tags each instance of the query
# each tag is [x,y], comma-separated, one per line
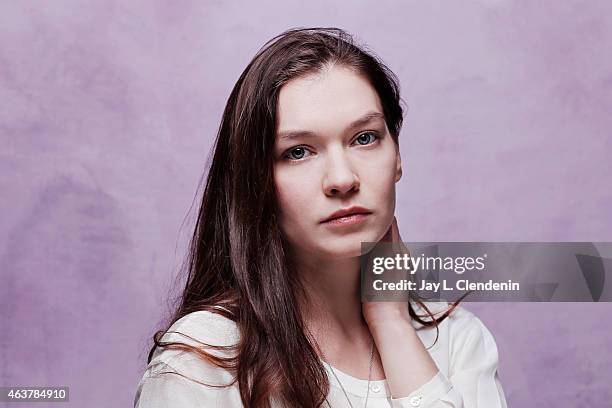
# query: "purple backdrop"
[108,110]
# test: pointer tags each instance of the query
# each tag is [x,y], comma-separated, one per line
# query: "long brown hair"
[238,257]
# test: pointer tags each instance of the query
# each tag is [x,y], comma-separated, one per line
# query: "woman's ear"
[398,166]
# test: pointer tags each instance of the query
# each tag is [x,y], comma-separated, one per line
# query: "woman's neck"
[334,299]
[334,318]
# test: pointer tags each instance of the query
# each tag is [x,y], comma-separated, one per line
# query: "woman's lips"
[350,219]
[345,212]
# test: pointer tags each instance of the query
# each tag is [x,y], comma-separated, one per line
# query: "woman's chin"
[342,248]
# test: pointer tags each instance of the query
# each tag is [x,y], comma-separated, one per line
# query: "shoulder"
[203,326]
[461,325]
[199,329]
[179,376]
[469,343]
[459,318]
[466,328]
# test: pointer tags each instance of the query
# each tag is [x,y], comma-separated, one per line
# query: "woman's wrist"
[392,320]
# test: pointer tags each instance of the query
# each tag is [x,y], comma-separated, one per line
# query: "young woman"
[304,170]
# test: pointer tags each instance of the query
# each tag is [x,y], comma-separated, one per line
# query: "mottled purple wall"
[108,110]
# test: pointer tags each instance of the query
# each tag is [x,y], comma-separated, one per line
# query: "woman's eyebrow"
[364,120]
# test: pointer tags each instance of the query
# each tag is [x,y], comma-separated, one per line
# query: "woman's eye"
[300,152]
[297,153]
[366,138]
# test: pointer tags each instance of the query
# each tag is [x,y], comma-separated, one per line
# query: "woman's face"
[333,151]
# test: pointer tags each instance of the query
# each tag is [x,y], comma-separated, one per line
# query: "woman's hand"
[406,362]
[379,313]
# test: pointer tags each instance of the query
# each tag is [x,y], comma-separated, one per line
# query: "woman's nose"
[340,177]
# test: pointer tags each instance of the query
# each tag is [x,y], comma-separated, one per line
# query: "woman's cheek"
[295,199]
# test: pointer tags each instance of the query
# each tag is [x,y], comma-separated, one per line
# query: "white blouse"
[465,353]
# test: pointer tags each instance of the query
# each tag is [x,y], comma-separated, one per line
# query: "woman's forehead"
[334,98]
